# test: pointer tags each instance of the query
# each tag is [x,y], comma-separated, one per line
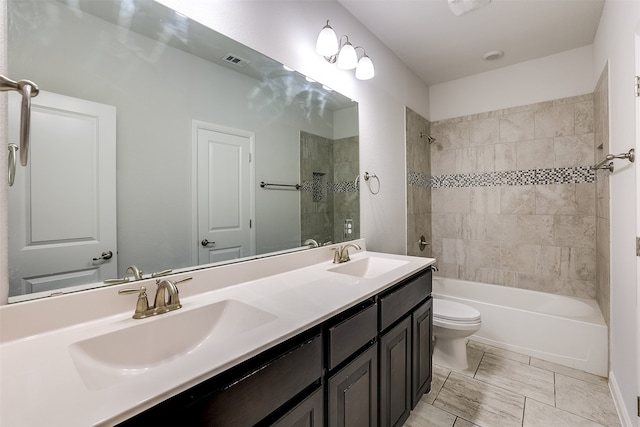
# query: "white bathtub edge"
[582,344]
[595,366]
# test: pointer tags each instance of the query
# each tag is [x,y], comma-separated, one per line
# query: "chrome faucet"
[312,243]
[342,253]
[137,274]
[161,304]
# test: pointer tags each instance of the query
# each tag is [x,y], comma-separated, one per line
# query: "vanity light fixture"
[342,53]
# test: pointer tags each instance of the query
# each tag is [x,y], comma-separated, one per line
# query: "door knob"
[207,243]
[104,256]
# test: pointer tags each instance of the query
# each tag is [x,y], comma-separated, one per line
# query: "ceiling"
[440,46]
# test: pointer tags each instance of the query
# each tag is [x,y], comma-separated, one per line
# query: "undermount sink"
[369,267]
[107,359]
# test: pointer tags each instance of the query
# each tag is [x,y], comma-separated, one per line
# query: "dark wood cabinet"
[405,324]
[422,331]
[395,374]
[309,413]
[352,395]
[261,392]
[402,298]
[257,391]
[367,366]
[353,330]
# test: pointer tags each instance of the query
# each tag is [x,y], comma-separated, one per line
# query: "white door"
[224,193]
[62,206]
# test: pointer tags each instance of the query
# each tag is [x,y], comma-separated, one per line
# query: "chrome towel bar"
[265,185]
[629,155]
[27,89]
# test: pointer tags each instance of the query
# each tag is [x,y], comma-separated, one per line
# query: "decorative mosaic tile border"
[575,175]
[333,187]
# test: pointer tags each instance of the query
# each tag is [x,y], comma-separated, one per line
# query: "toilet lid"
[454,311]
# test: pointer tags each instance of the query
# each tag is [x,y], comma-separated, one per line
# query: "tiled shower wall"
[329,195]
[418,196]
[601,144]
[513,197]
[346,196]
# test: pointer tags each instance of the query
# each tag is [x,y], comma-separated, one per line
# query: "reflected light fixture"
[342,53]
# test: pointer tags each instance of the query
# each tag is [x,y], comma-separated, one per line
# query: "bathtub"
[564,330]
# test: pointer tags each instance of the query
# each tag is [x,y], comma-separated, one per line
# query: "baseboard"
[623,414]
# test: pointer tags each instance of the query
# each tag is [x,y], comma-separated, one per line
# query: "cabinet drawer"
[309,413]
[351,334]
[258,394]
[401,300]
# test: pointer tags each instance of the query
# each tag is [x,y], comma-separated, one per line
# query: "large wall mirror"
[159,143]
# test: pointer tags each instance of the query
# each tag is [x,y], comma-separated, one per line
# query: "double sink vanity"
[292,339]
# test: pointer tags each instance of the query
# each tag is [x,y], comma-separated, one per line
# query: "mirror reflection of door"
[63,203]
[224,193]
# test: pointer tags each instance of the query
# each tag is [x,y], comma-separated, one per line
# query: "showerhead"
[430,139]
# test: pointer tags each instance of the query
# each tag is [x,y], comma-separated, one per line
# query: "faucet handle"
[142,305]
[161,273]
[186,279]
[337,255]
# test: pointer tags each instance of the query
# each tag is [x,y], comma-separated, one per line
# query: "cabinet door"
[309,413]
[422,323]
[395,374]
[353,392]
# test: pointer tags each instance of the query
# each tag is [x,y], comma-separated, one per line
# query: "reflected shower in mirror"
[150,137]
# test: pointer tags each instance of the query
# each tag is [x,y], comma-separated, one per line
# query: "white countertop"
[40,383]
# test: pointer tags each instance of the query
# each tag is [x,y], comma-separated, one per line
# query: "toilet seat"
[454,312]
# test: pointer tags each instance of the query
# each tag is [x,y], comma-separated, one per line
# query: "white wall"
[615,42]
[287,31]
[556,76]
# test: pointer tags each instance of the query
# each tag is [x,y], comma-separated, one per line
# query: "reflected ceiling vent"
[235,60]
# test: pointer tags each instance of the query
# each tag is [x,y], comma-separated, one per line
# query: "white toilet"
[452,324]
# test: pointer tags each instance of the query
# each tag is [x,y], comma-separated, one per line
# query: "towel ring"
[367,177]
[12,163]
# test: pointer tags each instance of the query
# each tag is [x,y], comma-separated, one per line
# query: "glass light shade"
[327,44]
[365,70]
[347,58]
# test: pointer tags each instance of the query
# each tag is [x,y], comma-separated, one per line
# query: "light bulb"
[327,44]
[347,58]
[365,70]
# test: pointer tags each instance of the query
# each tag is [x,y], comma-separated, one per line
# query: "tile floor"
[502,389]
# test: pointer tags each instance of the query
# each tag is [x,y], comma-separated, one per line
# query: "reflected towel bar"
[265,185]
[27,89]
[630,155]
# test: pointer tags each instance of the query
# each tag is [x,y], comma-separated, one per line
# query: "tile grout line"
[555,392]
[479,363]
